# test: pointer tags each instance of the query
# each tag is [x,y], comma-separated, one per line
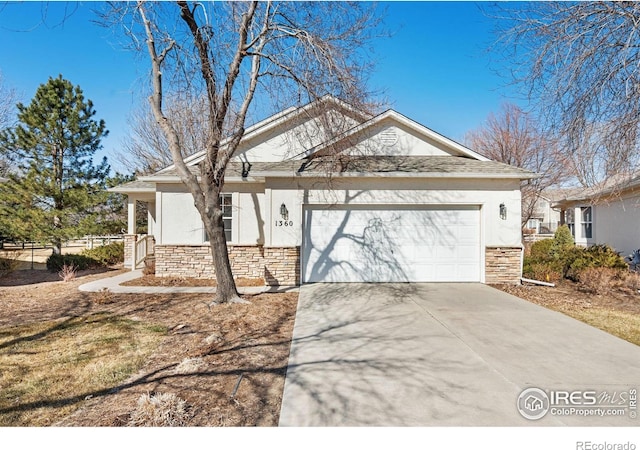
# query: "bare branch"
[514,138]
[579,63]
[156,106]
[229,53]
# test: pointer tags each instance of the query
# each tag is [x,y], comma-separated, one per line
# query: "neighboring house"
[3,180]
[545,218]
[396,202]
[608,215]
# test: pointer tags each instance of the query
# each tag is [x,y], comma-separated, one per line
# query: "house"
[386,200]
[609,214]
[545,218]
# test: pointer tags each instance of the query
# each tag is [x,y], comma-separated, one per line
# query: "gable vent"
[388,137]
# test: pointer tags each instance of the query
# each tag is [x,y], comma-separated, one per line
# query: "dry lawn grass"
[48,366]
[199,360]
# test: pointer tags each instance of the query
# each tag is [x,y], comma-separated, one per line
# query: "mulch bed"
[569,294]
[152,280]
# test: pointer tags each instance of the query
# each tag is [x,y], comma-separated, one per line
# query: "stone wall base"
[129,242]
[502,265]
[278,266]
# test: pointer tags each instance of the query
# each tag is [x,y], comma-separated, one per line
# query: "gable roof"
[397,118]
[609,187]
[273,122]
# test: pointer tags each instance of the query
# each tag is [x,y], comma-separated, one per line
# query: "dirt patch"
[226,362]
[152,280]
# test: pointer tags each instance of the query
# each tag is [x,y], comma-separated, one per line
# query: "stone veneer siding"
[278,266]
[129,242]
[502,265]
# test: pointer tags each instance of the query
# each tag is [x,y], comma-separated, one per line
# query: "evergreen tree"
[55,189]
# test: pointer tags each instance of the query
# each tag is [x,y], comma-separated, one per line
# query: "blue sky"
[435,68]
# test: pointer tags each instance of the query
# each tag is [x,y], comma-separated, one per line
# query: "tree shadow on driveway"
[368,355]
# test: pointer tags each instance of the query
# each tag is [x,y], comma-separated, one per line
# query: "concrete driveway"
[448,354]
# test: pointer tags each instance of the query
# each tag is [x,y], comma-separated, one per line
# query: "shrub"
[599,280]
[67,273]
[541,250]
[550,272]
[149,266]
[107,255]
[557,258]
[631,280]
[8,263]
[159,410]
[562,242]
[597,256]
[55,263]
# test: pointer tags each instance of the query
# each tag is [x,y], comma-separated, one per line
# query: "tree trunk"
[226,291]
[57,246]
[55,240]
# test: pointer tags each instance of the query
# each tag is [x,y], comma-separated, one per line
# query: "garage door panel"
[362,245]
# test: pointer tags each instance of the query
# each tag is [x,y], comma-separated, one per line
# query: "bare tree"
[514,138]
[231,53]
[146,149]
[580,63]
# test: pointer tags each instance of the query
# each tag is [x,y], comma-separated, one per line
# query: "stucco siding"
[258,208]
[487,194]
[617,223]
[292,140]
[181,223]
[388,139]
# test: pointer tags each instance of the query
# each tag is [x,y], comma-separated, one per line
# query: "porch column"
[130,237]
[131,214]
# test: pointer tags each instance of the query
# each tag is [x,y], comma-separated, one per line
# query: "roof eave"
[476,175]
[119,190]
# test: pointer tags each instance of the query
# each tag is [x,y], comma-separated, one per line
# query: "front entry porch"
[139,242]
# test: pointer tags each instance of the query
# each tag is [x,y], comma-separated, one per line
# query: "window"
[532,224]
[569,219]
[587,222]
[225,202]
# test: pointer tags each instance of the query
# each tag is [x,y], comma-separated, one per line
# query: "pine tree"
[54,189]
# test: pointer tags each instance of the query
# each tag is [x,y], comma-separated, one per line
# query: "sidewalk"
[113,284]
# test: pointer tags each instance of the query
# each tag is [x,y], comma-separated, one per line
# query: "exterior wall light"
[503,211]
[284,212]
[246,167]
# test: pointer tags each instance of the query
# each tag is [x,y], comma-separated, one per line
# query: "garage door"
[366,244]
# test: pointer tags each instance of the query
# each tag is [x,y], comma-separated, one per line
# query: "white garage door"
[352,244]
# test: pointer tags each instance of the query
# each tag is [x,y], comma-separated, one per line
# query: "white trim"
[259,177]
[268,229]
[159,217]
[235,216]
